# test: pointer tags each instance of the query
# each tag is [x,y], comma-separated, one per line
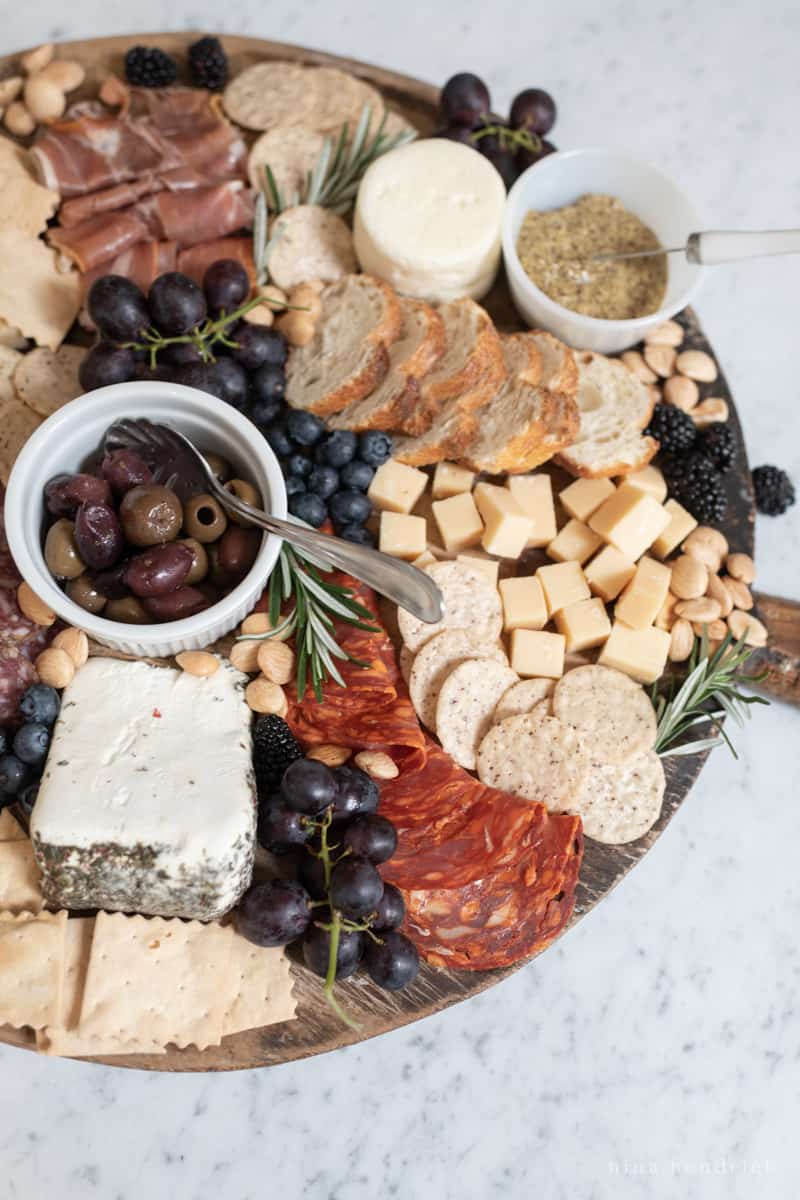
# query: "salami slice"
[20,643]
[9,575]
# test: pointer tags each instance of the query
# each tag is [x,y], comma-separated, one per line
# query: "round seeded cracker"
[535,757]
[434,662]
[290,152]
[469,601]
[269,94]
[620,802]
[610,712]
[405,661]
[523,697]
[466,705]
[48,379]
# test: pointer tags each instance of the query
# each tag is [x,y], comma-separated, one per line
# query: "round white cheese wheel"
[428,220]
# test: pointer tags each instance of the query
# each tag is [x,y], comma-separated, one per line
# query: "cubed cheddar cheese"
[640,653]
[562,584]
[449,479]
[584,624]
[641,601]
[479,562]
[523,603]
[459,521]
[402,536]
[396,487]
[426,559]
[536,653]
[534,495]
[630,520]
[649,480]
[507,525]
[574,543]
[608,572]
[681,524]
[583,496]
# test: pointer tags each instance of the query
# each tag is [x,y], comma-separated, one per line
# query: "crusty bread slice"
[614,408]
[559,368]
[420,345]
[447,438]
[512,426]
[347,357]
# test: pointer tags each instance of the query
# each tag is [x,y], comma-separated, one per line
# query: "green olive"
[200,567]
[83,592]
[129,610]
[204,519]
[219,466]
[61,553]
[246,492]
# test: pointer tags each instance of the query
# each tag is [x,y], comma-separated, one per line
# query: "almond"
[681,640]
[38,58]
[718,590]
[32,607]
[689,578]
[18,120]
[740,594]
[741,566]
[76,644]
[259,622]
[55,667]
[666,614]
[681,392]
[264,696]
[10,89]
[306,297]
[45,100]
[66,73]
[635,363]
[744,624]
[714,630]
[377,764]
[708,545]
[244,656]
[668,333]
[660,359]
[276,661]
[709,412]
[296,327]
[197,662]
[332,756]
[703,609]
[696,364]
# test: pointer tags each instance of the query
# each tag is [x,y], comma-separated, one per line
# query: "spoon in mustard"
[720,245]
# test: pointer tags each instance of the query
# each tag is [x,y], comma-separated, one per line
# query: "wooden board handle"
[781,658]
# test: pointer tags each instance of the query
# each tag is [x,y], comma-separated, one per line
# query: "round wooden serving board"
[316,1028]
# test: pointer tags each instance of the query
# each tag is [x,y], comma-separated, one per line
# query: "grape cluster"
[510,145]
[338,904]
[23,753]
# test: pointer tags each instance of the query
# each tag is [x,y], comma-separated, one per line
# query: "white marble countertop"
[653,1052]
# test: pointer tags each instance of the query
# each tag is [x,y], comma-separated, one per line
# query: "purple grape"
[98,535]
[308,786]
[176,304]
[316,951]
[232,378]
[273,913]
[312,876]
[106,364]
[370,836]
[254,346]
[526,158]
[125,469]
[226,285]
[159,570]
[356,887]
[64,493]
[391,909]
[464,99]
[504,161]
[393,962]
[202,376]
[182,354]
[118,308]
[355,792]
[280,829]
[534,110]
[457,133]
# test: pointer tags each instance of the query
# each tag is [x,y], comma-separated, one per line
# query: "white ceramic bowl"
[70,435]
[560,179]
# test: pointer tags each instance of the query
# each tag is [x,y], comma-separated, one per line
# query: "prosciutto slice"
[142,263]
[195,261]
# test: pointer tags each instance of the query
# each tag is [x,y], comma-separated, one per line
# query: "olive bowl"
[66,439]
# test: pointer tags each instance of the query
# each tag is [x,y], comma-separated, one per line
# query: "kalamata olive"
[199,568]
[125,469]
[238,549]
[111,583]
[82,591]
[219,465]
[129,610]
[150,514]
[204,518]
[61,553]
[64,493]
[217,574]
[160,570]
[98,535]
[184,602]
[243,491]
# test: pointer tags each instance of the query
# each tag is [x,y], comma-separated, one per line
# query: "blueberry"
[278,439]
[265,412]
[308,508]
[31,743]
[338,448]
[349,508]
[27,797]
[294,485]
[358,534]
[374,447]
[304,428]
[323,482]
[357,475]
[39,703]
[298,464]
[268,382]
[13,774]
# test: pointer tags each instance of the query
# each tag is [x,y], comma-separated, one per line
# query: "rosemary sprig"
[710,692]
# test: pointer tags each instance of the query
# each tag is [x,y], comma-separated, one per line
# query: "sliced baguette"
[559,369]
[512,427]
[614,408]
[347,357]
[414,353]
[447,438]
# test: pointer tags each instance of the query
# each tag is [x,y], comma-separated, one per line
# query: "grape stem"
[336,924]
[510,139]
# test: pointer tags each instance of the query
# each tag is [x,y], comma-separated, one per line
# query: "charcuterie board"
[317,1028]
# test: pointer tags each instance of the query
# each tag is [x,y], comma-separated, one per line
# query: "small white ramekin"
[560,179]
[67,438]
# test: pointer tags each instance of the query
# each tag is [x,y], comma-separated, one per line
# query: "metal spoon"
[717,246]
[176,462]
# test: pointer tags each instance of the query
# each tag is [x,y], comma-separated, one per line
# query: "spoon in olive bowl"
[177,463]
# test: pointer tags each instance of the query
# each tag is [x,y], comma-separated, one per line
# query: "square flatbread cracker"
[151,979]
[25,205]
[10,828]
[68,1043]
[35,297]
[31,953]
[263,987]
[17,423]
[48,379]
[20,889]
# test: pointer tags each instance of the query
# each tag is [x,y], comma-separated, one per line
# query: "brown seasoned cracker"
[48,379]
[10,829]
[290,154]
[20,889]
[262,987]
[31,952]
[269,94]
[17,423]
[35,297]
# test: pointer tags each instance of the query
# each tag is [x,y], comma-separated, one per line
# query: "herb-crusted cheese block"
[147,803]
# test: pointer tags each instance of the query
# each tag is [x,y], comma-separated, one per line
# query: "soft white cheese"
[429,219]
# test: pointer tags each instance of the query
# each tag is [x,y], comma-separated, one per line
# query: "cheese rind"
[534,495]
[641,601]
[537,653]
[459,521]
[396,487]
[631,520]
[640,653]
[449,479]
[576,542]
[508,527]
[584,624]
[583,496]
[562,584]
[402,536]
[523,603]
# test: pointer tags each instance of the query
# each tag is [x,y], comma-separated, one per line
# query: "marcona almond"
[377,764]
[32,607]
[197,662]
[740,594]
[76,644]
[719,590]
[264,696]
[244,656]
[744,624]
[38,58]
[262,314]
[696,364]
[55,667]
[708,545]
[307,298]
[710,412]
[705,609]
[666,614]
[660,359]
[332,756]
[668,333]
[65,73]
[259,622]
[681,392]
[634,362]
[276,661]
[715,630]
[681,640]
[18,120]
[296,327]
[45,100]
[10,89]
[689,578]
[741,566]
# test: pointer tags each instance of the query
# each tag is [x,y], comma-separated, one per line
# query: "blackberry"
[147,66]
[274,749]
[673,429]
[208,64]
[774,490]
[697,484]
[719,443]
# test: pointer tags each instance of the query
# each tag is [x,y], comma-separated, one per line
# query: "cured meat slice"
[9,575]
[100,238]
[196,260]
[142,263]
[20,643]
[83,208]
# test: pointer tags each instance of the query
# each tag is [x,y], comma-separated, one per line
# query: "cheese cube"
[583,496]
[631,520]
[534,495]
[584,624]
[487,566]
[396,487]
[562,584]
[459,521]
[608,573]
[649,480]
[535,653]
[523,603]
[507,526]
[640,653]
[426,559]
[574,543]
[681,524]
[641,602]
[449,479]
[402,536]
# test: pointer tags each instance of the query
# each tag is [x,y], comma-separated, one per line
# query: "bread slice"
[614,408]
[347,357]
[414,353]
[447,438]
[559,368]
